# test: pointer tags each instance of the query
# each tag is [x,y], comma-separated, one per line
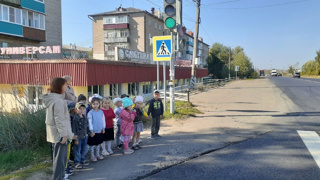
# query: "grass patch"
[43,167]
[183,110]
[16,159]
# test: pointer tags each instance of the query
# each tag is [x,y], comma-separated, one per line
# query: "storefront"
[23,82]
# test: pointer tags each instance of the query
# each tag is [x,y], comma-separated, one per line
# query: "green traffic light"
[170,22]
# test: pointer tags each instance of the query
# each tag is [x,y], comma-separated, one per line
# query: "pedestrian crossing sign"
[162,48]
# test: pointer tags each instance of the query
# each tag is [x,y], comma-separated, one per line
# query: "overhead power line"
[258,7]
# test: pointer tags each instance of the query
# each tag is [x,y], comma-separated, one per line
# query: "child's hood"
[50,98]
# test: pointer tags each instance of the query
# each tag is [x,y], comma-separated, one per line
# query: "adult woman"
[58,125]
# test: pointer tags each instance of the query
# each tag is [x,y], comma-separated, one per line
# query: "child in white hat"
[138,124]
[117,110]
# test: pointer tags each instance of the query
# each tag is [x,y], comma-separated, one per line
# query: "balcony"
[117,40]
[189,43]
[109,53]
[14,3]
[116,26]
[189,52]
[34,34]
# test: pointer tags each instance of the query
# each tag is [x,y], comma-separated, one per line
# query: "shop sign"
[123,54]
[30,50]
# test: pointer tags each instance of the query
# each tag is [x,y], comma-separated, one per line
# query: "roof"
[128,10]
[84,72]
[78,48]
[198,39]
[124,11]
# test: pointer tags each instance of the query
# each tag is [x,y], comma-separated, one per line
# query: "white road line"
[312,141]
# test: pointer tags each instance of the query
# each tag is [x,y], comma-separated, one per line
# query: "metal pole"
[164,85]
[229,61]
[172,77]
[158,84]
[195,47]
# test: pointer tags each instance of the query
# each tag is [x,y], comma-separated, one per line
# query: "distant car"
[274,73]
[296,75]
[279,74]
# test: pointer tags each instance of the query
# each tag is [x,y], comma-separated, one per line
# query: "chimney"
[200,39]
[190,33]
[152,10]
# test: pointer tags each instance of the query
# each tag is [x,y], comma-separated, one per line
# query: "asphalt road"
[278,154]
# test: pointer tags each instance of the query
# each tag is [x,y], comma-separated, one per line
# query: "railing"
[16,2]
[116,39]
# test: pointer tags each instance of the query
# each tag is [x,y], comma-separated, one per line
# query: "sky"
[273,33]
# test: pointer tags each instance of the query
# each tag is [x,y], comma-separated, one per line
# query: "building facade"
[73,51]
[128,28]
[23,83]
[203,50]
[30,23]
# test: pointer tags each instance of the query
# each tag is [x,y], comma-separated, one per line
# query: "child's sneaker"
[105,153]
[135,146]
[119,146]
[93,159]
[66,177]
[68,172]
[130,151]
[85,163]
[78,166]
[110,151]
[100,157]
[140,141]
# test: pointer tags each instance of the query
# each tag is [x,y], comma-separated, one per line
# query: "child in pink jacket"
[127,126]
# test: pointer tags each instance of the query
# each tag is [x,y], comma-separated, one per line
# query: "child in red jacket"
[109,133]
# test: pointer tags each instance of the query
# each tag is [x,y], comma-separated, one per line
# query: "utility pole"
[195,46]
[229,62]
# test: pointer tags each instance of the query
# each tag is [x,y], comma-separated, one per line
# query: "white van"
[274,72]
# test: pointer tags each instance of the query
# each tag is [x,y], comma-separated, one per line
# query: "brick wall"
[53,27]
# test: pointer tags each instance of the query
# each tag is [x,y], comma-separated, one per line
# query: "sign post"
[236,69]
[162,51]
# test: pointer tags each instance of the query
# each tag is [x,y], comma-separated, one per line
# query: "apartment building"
[30,23]
[128,28]
[203,50]
[72,51]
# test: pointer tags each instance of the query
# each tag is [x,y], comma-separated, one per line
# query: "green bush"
[22,130]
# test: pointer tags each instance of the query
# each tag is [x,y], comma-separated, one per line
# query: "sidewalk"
[234,113]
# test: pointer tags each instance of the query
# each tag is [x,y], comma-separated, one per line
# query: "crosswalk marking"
[312,141]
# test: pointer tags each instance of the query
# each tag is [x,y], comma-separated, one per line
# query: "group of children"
[93,124]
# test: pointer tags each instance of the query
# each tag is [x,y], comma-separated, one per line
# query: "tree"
[243,61]
[291,70]
[309,68]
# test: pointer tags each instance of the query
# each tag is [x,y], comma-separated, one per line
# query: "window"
[30,19]
[115,90]
[42,22]
[5,10]
[155,25]
[11,15]
[150,36]
[149,22]
[133,89]
[25,17]
[124,33]
[99,89]
[0,12]
[146,88]
[35,95]
[18,16]
[40,1]
[36,20]
[159,27]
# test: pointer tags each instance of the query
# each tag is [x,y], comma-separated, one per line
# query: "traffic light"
[169,14]
[181,37]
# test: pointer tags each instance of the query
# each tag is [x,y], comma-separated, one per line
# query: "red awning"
[85,72]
